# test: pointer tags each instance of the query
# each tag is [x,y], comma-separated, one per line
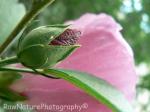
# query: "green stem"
[25,20]
[23,70]
[17,70]
[9,61]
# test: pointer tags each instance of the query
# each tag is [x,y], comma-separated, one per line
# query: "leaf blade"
[95,87]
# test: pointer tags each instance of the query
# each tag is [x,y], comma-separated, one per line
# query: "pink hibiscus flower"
[103,53]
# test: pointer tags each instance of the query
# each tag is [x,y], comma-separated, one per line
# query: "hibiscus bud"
[47,45]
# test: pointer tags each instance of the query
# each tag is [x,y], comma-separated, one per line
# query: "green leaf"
[7,78]
[10,95]
[96,87]
[11,13]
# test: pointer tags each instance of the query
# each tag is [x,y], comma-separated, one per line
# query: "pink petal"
[104,53]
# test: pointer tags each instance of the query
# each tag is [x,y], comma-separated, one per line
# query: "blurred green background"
[133,15]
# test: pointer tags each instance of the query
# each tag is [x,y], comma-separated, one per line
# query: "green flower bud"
[47,45]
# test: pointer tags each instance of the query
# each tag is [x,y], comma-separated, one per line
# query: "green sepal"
[41,35]
[40,56]
[56,54]
[34,56]
[34,24]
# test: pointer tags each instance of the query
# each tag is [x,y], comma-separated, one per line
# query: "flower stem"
[25,20]
[17,70]
[8,61]
[23,70]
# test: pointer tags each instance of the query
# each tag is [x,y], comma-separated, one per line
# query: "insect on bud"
[47,45]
